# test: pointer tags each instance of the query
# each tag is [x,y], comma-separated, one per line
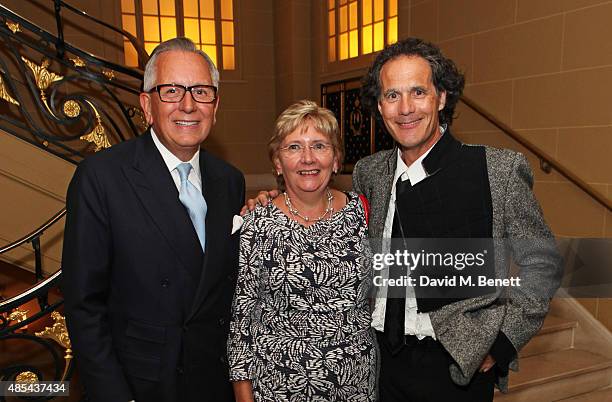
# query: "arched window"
[209,23]
[357,27]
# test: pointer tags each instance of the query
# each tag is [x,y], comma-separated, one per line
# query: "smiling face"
[181,126]
[409,105]
[308,171]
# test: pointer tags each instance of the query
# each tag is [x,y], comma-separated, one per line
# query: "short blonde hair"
[297,115]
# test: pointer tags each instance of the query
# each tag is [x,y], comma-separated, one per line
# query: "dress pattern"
[300,328]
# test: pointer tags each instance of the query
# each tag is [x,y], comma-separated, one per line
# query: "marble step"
[602,395]
[556,375]
[556,334]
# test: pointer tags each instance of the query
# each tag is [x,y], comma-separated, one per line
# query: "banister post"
[60,29]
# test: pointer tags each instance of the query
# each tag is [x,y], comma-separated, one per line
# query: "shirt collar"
[415,172]
[171,160]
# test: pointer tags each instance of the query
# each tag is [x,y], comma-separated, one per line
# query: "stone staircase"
[570,359]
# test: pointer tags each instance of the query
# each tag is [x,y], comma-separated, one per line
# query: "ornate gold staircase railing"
[27,308]
[59,97]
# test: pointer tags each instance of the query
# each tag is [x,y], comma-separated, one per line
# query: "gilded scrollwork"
[26,377]
[50,92]
[98,135]
[4,94]
[77,61]
[43,78]
[109,74]
[72,109]
[13,26]
[18,315]
[59,333]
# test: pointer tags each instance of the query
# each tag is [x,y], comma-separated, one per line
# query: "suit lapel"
[157,192]
[214,191]
[382,188]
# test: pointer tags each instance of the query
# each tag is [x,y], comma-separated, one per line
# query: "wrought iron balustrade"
[59,97]
[28,308]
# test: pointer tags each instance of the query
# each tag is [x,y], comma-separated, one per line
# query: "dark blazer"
[147,311]
[468,329]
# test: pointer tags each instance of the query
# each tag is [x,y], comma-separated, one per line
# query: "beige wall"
[78,31]
[545,69]
[248,104]
[33,184]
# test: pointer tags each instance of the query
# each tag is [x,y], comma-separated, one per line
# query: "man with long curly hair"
[433,186]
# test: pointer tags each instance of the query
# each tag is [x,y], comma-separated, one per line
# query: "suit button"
[231,278]
[223,360]
[180,370]
[222,321]
[165,282]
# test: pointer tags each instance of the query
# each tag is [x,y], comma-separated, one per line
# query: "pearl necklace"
[329,210]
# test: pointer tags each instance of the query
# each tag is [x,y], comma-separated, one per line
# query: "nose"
[307,155]
[187,104]
[406,105]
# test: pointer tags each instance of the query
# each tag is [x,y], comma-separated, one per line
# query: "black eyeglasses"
[173,93]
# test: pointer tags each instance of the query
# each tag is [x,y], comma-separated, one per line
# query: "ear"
[336,167]
[442,99]
[277,165]
[145,104]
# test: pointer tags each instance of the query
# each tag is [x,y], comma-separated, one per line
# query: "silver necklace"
[329,210]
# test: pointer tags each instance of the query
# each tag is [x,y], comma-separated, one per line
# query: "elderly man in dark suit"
[150,252]
[431,185]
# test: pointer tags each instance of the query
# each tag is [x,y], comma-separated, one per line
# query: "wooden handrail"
[541,154]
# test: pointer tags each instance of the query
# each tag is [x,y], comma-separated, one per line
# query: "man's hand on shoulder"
[263,198]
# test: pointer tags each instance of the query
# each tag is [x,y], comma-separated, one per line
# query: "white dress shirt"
[417,324]
[172,162]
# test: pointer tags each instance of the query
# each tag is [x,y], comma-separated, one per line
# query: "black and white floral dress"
[300,328]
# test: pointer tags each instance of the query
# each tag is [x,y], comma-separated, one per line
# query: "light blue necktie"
[194,201]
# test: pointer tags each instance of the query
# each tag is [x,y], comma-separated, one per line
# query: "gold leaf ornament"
[13,26]
[43,78]
[98,135]
[18,315]
[72,108]
[42,75]
[77,61]
[4,94]
[109,74]
[26,377]
[58,332]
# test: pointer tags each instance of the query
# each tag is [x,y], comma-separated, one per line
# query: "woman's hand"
[243,391]
[262,198]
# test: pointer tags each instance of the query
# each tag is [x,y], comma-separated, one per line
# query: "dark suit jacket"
[147,311]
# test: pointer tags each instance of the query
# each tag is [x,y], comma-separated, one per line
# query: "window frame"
[352,60]
[225,74]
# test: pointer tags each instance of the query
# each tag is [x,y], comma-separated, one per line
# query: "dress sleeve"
[246,298]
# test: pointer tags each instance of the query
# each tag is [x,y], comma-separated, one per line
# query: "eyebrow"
[411,89]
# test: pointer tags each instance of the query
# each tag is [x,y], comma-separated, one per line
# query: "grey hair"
[178,44]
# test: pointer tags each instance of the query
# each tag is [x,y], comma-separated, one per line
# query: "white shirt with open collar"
[415,323]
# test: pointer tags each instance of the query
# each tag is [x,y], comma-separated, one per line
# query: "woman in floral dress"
[300,328]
